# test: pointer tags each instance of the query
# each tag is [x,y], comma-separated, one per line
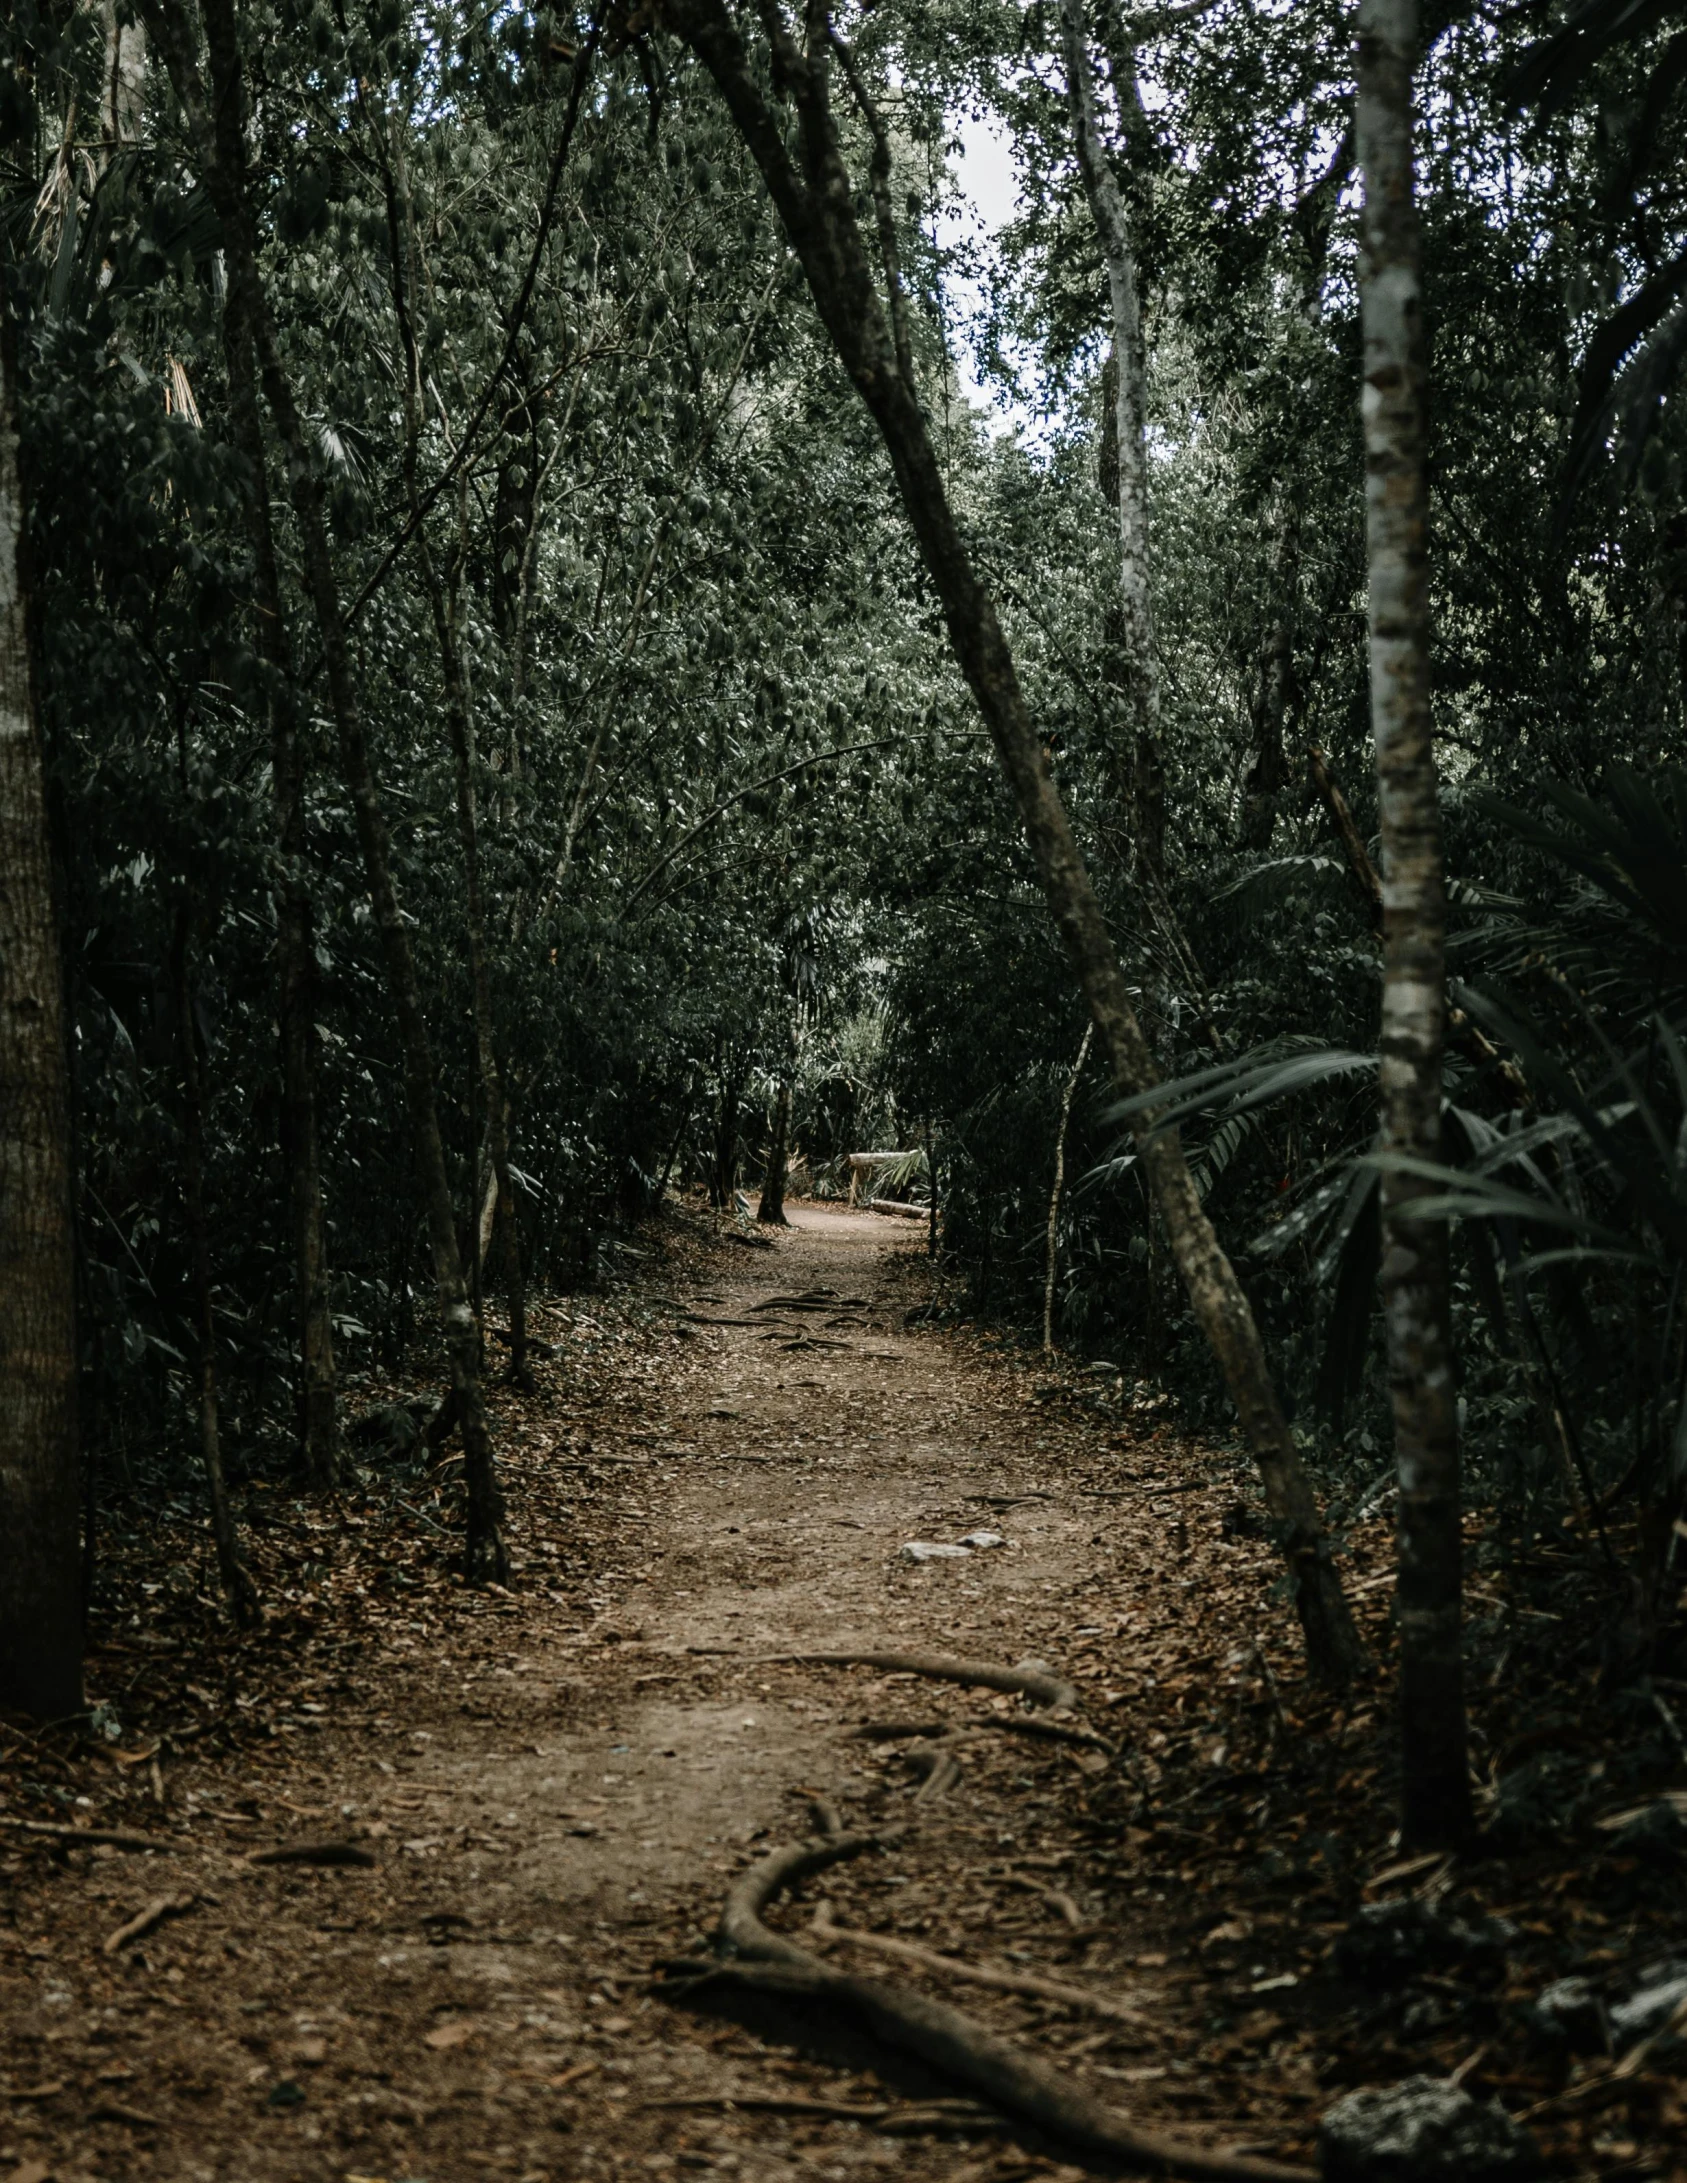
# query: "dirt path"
[556,1799]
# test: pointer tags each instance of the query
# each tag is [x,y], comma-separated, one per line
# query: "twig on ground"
[143,1922]
[112,1837]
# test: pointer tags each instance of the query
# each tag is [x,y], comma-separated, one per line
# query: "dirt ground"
[551,1788]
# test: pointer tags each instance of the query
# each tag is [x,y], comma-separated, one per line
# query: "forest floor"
[550,1789]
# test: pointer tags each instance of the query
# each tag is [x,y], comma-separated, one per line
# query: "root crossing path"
[549,1795]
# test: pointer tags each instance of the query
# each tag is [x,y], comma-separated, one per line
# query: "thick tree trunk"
[319,1426]
[1059,1185]
[1435,1779]
[772,1206]
[816,207]
[40,1589]
[222,152]
[236,1579]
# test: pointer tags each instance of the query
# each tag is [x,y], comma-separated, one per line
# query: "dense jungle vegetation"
[519,600]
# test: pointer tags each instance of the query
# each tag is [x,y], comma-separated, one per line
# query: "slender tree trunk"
[1360,869]
[725,1169]
[931,1189]
[40,1603]
[772,1206]
[1059,1184]
[1132,642]
[1435,1777]
[238,1588]
[1273,688]
[1137,650]
[459,715]
[222,153]
[319,1425]
[814,195]
[679,1139]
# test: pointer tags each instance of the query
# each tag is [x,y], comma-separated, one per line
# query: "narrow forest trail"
[556,1800]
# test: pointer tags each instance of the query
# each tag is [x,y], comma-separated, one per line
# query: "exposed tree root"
[1000,2072]
[1047,1690]
[901,2119]
[941,1768]
[980,1974]
[1024,1725]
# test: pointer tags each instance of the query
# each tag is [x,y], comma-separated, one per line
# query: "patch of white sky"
[983,196]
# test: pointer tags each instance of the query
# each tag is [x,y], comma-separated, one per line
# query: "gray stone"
[1423,2130]
[1654,2001]
[1569,2016]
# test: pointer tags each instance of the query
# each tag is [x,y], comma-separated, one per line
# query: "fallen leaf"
[457,2033]
[33,2171]
[47,2091]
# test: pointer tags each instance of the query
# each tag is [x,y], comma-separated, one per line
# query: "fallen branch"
[112,1837]
[943,1667]
[143,1922]
[1028,1983]
[315,1853]
[1000,2072]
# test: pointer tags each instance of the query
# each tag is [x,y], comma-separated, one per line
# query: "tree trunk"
[318,1407]
[236,1579]
[459,714]
[1127,471]
[816,205]
[222,153]
[40,1603]
[772,1206]
[1435,1778]
[1059,1184]
[1132,643]
[724,1172]
[679,1139]
[1360,870]
[1274,690]
[1273,686]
